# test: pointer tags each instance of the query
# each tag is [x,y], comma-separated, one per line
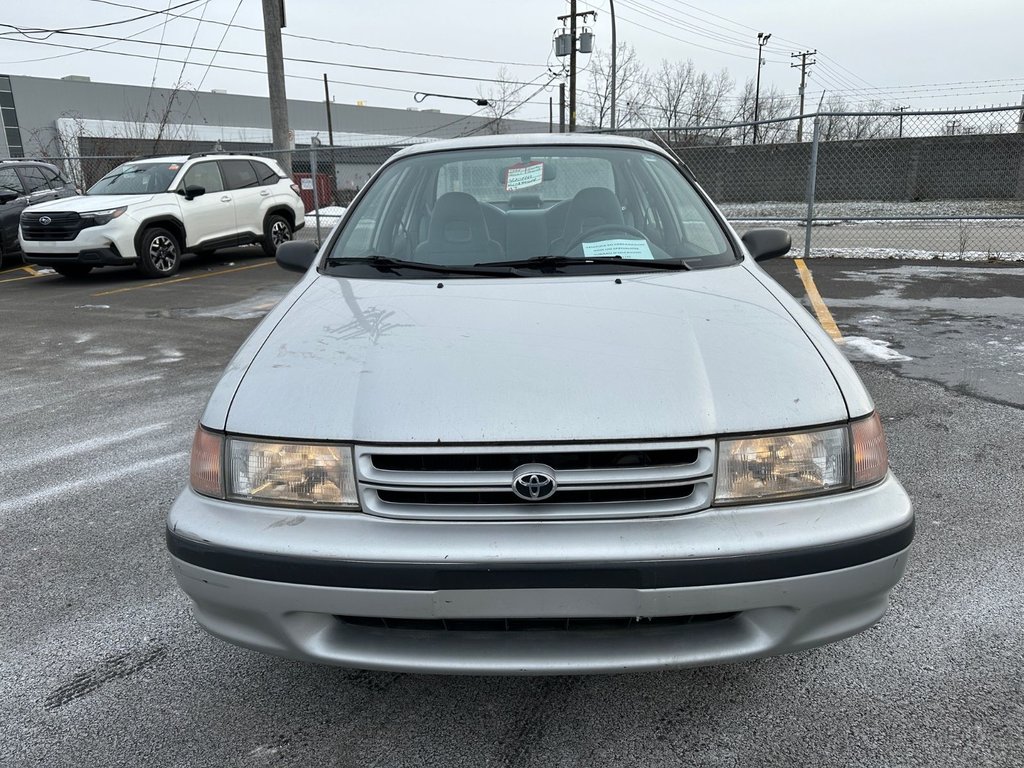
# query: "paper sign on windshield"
[626,249]
[524,175]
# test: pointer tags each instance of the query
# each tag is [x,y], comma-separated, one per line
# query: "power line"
[25,31]
[104,45]
[192,42]
[318,62]
[357,45]
[195,93]
[225,67]
[152,82]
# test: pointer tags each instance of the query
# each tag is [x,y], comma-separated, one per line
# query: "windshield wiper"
[389,264]
[541,262]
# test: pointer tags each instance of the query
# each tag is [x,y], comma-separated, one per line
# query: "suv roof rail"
[45,160]
[221,152]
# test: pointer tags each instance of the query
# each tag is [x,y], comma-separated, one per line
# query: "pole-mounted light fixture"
[762,39]
[420,96]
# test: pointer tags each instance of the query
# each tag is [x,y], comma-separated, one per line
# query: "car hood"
[680,354]
[84,203]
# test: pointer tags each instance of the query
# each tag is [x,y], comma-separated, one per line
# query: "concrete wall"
[989,166]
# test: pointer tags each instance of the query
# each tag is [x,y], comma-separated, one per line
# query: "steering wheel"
[624,228]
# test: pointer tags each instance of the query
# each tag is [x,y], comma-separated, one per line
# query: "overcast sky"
[922,53]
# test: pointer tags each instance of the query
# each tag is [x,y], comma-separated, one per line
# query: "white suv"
[147,212]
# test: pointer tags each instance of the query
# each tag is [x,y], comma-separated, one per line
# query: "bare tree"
[630,84]
[772,104]
[503,100]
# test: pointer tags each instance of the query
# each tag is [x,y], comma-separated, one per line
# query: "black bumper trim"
[93,257]
[623,575]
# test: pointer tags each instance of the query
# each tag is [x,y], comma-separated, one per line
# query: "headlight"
[782,466]
[102,217]
[753,469]
[293,474]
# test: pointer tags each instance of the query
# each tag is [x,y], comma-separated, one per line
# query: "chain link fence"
[908,185]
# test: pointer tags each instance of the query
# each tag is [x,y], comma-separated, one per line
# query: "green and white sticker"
[623,248]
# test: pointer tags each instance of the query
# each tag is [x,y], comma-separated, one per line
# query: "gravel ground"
[102,665]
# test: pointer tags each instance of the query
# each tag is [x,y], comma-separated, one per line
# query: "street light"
[419,97]
[762,40]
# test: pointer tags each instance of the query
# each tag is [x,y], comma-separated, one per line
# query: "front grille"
[568,624]
[61,226]
[594,480]
[586,496]
[498,462]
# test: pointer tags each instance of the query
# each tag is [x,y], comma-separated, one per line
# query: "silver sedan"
[534,408]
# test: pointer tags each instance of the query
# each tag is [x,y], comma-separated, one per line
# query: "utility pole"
[803,65]
[273,20]
[762,40]
[561,107]
[571,17]
[615,49]
[327,103]
[901,110]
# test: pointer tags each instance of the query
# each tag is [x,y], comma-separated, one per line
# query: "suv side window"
[265,174]
[9,181]
[205,175]
[34,179]
[238,174]
[52,178]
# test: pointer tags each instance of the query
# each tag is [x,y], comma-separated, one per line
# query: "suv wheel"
[72,270]
[276,230]
[159,253]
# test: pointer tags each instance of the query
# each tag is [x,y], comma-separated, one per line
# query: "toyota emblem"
[44,220]
[534,482]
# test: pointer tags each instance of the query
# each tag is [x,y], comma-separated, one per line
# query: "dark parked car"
[24,183]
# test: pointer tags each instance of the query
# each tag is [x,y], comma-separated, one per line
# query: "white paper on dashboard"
[626,249]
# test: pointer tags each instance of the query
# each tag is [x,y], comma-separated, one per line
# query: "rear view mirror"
[296,255]
[6,197]
[192,191]
[766,244]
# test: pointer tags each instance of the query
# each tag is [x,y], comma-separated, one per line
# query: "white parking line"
[59,452]
[19,502]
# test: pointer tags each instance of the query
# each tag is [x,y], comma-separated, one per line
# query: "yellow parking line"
[183,279]
[820,308]
[31,270]
[22,268]
[15,279]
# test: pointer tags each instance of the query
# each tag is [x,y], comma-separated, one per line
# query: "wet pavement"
[101,663]
[958,325]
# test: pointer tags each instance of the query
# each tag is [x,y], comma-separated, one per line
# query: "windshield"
[520,207]
[136,179]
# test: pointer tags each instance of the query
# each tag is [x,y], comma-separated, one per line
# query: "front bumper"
[94,246]
[276,581]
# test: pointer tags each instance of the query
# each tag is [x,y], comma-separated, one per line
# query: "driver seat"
[591,207]
[457,234]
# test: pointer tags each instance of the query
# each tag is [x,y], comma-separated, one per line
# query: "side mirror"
[192,191]
[296,255]
[6,197]
[767,243]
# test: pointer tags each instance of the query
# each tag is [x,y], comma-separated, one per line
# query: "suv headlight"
[310,475]
[796,464]
[103,217]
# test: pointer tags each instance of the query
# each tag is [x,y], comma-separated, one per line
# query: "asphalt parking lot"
[101,664]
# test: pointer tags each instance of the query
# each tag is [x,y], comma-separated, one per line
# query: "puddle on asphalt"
[252,308]
[921,322]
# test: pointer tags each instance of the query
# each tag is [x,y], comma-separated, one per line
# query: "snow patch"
[873,350]
[908,254]
[329,216]
[93,306]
